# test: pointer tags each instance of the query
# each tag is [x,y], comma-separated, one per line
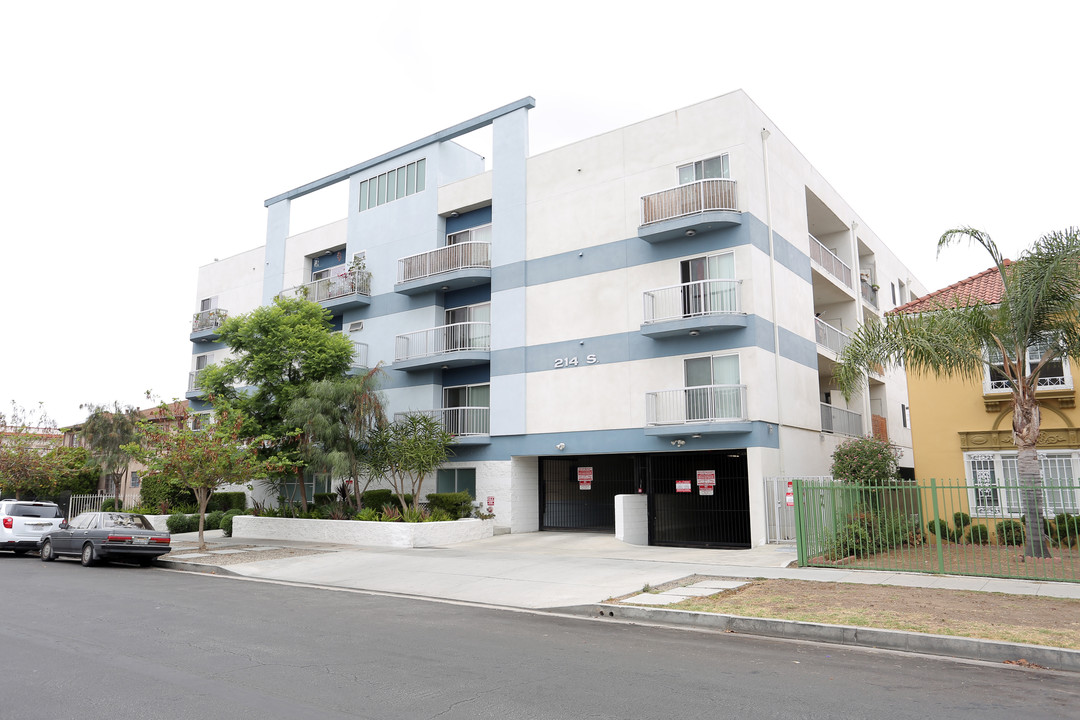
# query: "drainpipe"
[868,423]
[772,290]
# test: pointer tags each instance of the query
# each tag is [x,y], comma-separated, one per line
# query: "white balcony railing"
[869,294]
[689,199]
[209,319]
[840,421]
[692,299]
[444,339]
[191,380]
[832,264]
[443,260]
[829,337]
[354,282]
[360,355]
[705,403]
[460,421]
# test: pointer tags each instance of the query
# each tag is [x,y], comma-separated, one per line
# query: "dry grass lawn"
[994,616]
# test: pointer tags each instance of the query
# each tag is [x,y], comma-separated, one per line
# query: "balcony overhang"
[694,325]
[338,305]
[194,394]
[460,358]
[472,440]
[206,336]
[453,280]
[998,401]
[689,225]
[727,427]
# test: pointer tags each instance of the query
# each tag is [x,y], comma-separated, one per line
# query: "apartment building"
[627,334]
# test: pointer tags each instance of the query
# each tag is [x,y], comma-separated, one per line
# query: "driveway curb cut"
[195,568]
[956,647]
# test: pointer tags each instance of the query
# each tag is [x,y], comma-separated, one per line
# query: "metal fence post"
[937,526]
[800,541]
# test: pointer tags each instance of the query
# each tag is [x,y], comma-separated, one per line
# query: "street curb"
[945,645]
[195,568]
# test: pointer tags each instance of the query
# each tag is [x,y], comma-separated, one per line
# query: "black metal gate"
[565,506]
[689,518]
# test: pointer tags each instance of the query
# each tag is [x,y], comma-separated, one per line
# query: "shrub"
[226,522]
[377,499]
[1068,529]
[162,494]
[108,505]
[181,523]
[866,461]
[414,515]
[1010,532]
[368,514]
[439,515]
[213,520]
[852,539]
[453,505]
[324,499]
[226,501]
[940,527]
[335,511]
[979,535]
[391,513]
[961,520]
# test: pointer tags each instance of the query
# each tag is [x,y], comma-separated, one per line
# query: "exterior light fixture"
[455,214]
[444,288]
[560,446]
[695,436]
[694,333]
[678,443]
[691,232]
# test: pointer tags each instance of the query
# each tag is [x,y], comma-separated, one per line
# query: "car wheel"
[87,557]
[47,552]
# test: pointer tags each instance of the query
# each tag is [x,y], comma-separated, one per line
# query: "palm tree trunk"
[1026,425]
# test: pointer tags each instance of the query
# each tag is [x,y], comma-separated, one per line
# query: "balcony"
[193,389]
[828,261]
[205,325]
[829,337]
[688,209]
[452,267]
[359,362]
[349,290]
[701,410]
[468,425]
[869,294]
[840,421]
[692,308]
[447,346]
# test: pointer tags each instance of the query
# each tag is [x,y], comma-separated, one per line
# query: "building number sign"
[564,362]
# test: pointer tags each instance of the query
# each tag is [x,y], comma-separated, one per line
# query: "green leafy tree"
[106,432]
[406,451]
[866,461]
[77,472]
[27,465]
[203,460]
[1038,308]
[336,417]
[278,350]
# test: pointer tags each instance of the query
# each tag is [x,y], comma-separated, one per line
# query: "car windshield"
[117,520]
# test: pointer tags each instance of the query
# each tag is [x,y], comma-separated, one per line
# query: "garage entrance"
[679,514]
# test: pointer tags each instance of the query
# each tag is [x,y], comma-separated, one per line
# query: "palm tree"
[963,337]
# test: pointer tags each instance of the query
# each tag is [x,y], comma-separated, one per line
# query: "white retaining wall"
[359,532]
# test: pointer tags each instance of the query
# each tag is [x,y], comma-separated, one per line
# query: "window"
[994,483]
[476,234]
[905,417]
[893,287]
[466,409]
[456,480]
[1054,374]
[713,391]
[393,185]
[701,296]
[329,264]
[135,480]
[714,167]
[202,361]
[209,303]
[472,327]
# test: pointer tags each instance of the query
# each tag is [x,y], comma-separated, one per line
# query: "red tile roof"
[986,287]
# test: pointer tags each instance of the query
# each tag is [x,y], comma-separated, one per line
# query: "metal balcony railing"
[832,264]
[443,260]
[704,403]
[869,294]
[441,340]
[209,319]
[692,299]
[695,197]
[829,337]
[360,355]
[355,282]
[840,421]
[460,421]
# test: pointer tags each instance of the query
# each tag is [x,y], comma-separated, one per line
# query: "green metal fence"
[939,526]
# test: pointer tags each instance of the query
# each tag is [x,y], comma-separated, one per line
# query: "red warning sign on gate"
[789,498]
[584,478]
[682,486]
[706,481]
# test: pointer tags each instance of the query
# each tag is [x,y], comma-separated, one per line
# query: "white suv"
[24,522]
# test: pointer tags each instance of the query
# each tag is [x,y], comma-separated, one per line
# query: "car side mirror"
[63,526]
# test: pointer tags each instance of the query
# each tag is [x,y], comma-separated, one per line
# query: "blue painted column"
[277,230]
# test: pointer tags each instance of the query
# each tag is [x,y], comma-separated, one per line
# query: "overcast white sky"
[140,139]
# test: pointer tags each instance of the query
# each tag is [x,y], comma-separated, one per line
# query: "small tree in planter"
[203,460]
[866,461]
[407,450]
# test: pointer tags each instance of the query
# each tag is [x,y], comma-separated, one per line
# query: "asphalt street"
[126,642]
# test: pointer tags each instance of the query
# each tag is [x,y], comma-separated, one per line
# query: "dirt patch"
[993,616]
[960,559]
